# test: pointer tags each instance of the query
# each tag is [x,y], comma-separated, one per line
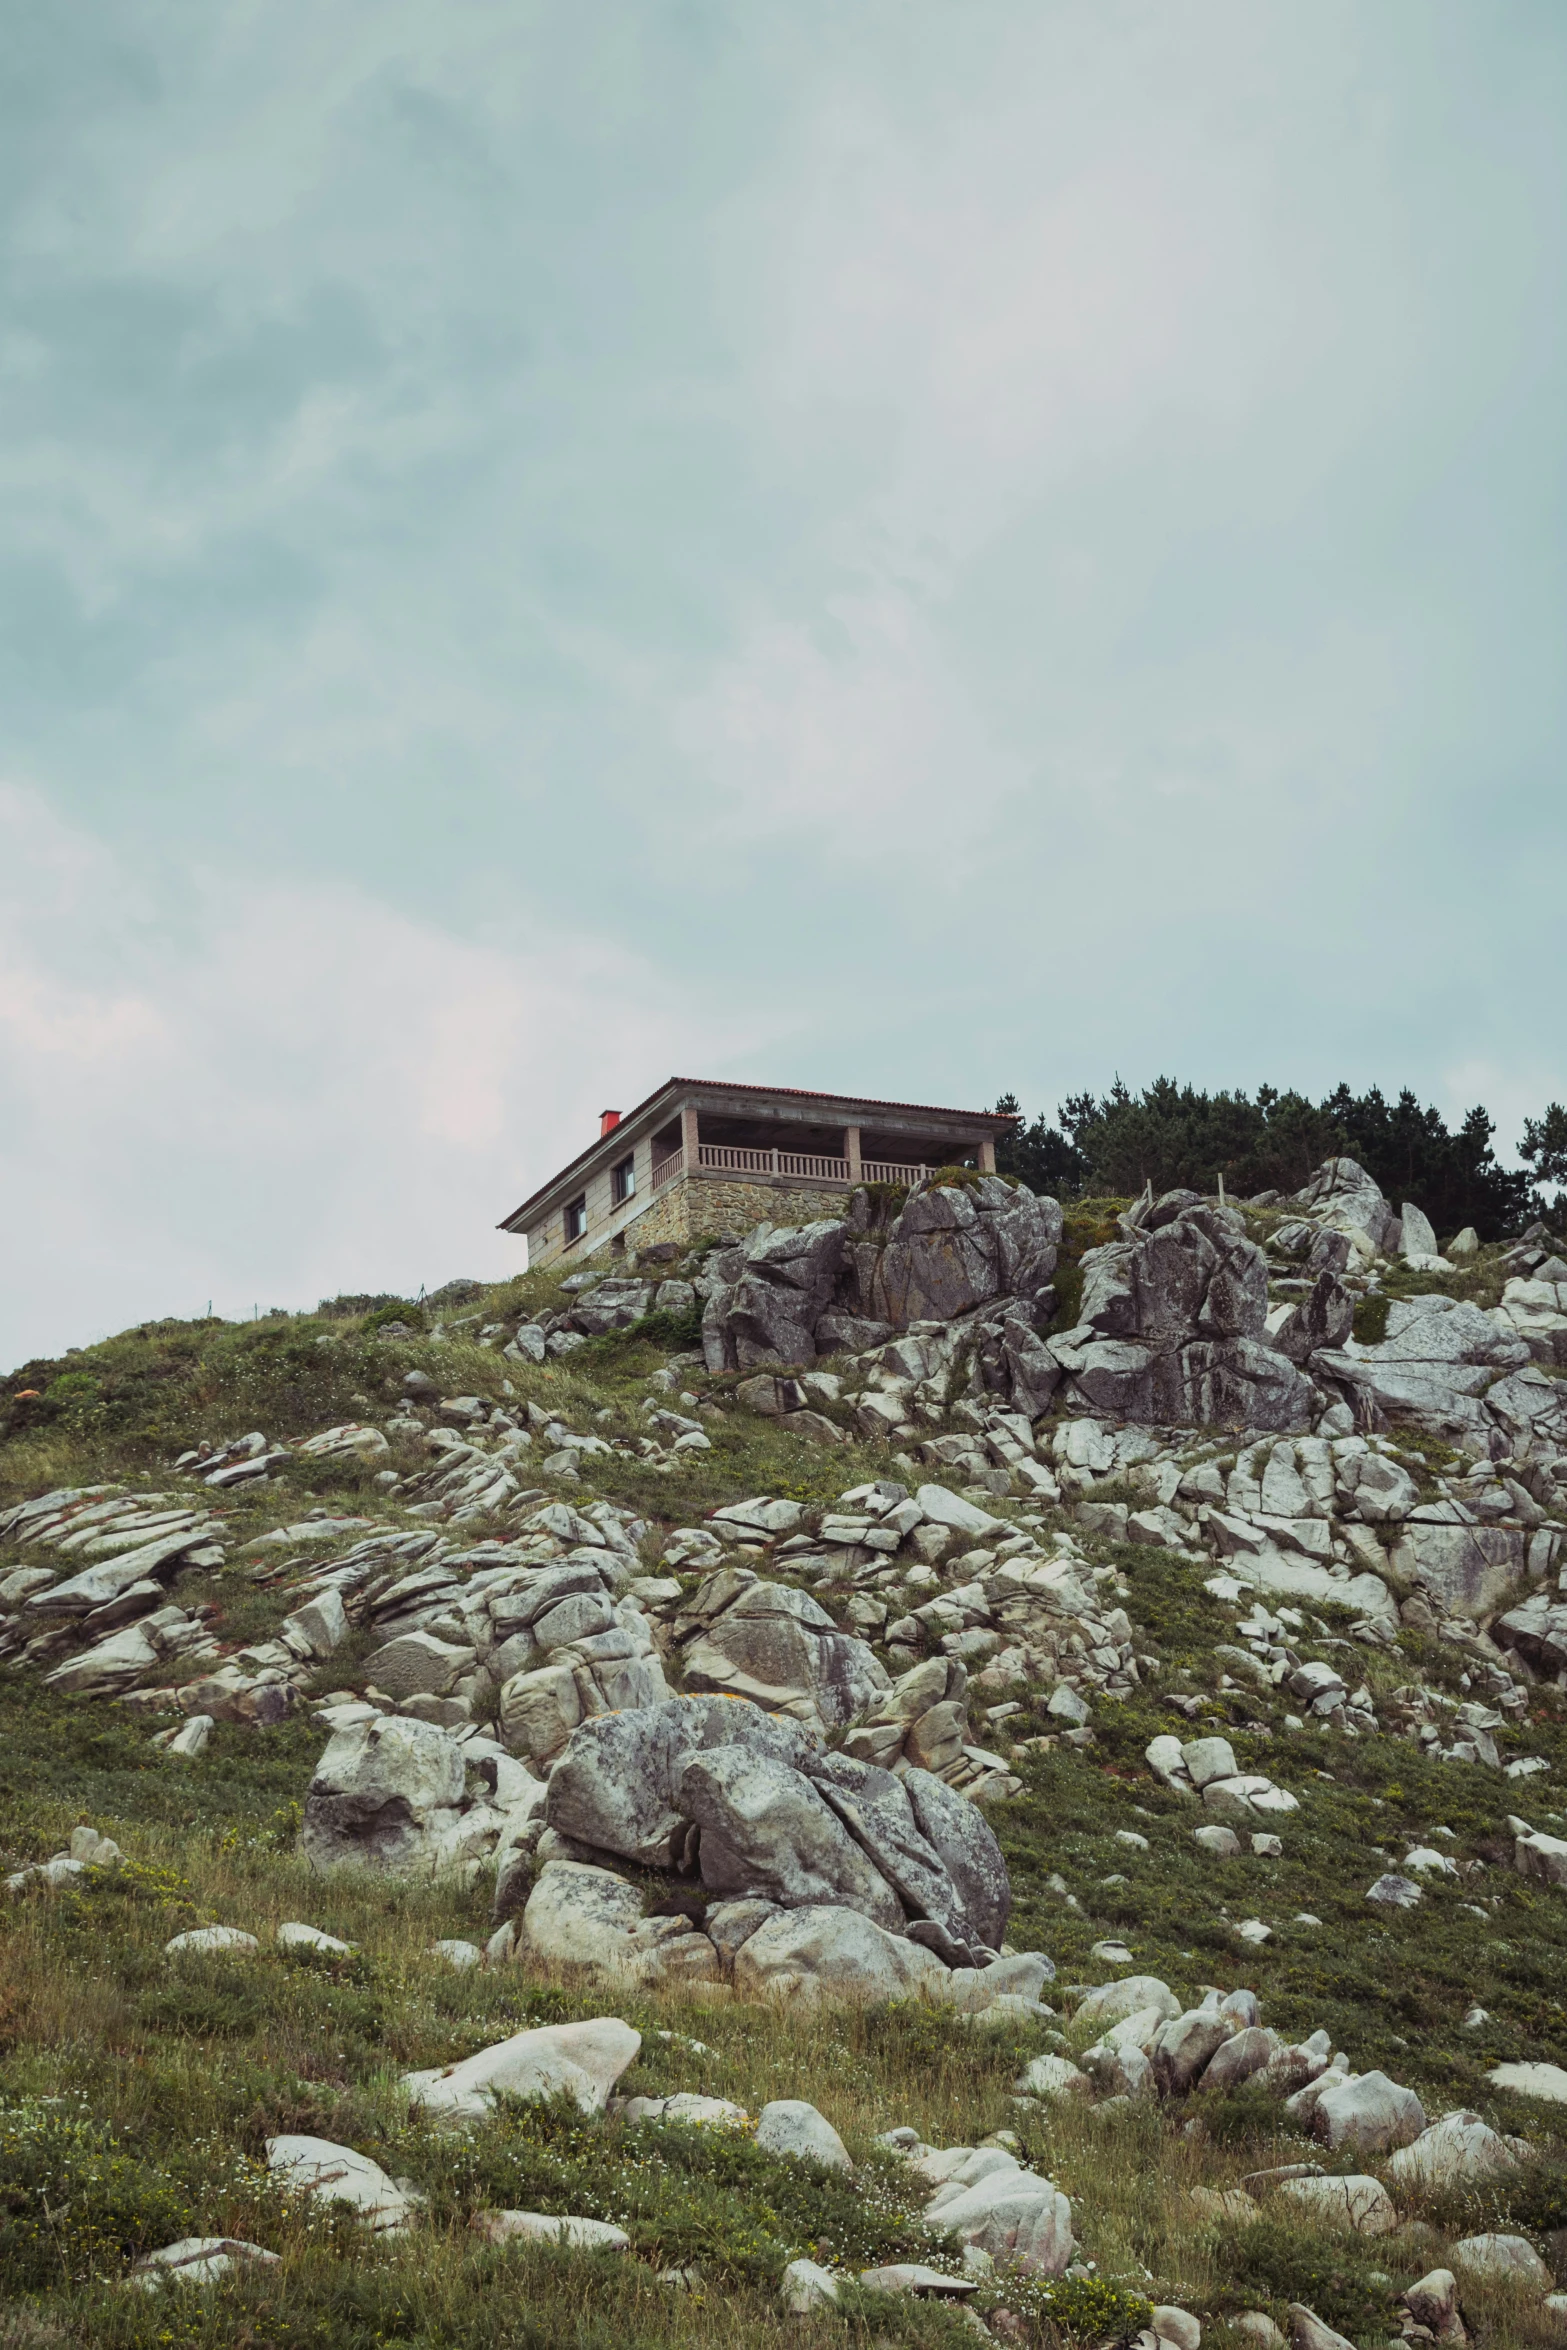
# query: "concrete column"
[851,1151]
[689,1137]
[987,1156]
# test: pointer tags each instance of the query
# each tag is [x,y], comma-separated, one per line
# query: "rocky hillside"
[969,1768]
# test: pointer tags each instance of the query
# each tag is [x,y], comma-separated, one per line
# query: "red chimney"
[608,1121]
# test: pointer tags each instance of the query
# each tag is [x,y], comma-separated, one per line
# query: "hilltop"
[1039,1729]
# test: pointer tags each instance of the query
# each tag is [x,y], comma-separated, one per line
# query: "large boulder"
[1344,1198]
[611,1304]
[878,1809]
[1538,1630]
[769,1296]
[417,1664]
[1503,2260]
[615,1786]
[953,1247]
[1324,1317]
[1184,2046]
[790,2126]
[825,1953]
[1014,2215]
[582,2061]
[788,1296]
[958,1832]
[567,1650]
[1536,1312]
[1236,2059]
[1468,1568]
[1459,2148]
[1531,1411]
[385,1795]
[582,1917]
[1231,1383]
[774,1644]
[765,1830]
[538,1709]
[1133,1995]
[749,1799]
[340,2174]
[1173,1326]
[1347,2200]
[1195,1276]
[1437,1360]
[1370,2113]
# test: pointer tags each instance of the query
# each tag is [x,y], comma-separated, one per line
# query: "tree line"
[1174,1135]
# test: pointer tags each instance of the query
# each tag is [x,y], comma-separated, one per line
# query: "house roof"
[998,1121]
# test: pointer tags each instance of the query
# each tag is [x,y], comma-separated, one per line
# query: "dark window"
[623,1180]
[577,1218]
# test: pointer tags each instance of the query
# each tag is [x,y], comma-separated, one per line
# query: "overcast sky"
[917,549]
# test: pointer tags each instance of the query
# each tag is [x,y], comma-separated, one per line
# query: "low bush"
[1276,2260]
[72,2198]
[1370,1323]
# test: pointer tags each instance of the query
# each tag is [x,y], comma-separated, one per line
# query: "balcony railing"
[724,1158]
[729,1159]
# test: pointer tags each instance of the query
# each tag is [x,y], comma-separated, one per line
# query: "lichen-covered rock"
[582,2061]
[384,1796]
[615,1786]
[1173,1327]
[771,1294]
[777,1645]
[956,1246]
[765,1829]
[590,1919]
[1439,1356]
[825,1953]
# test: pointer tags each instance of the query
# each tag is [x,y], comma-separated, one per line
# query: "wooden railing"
[731,1159]
[724,1158]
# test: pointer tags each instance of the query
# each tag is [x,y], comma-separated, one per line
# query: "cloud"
[931,550]
[310,1092]
[856,728]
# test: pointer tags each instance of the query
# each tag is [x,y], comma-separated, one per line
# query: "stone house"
[696,1158]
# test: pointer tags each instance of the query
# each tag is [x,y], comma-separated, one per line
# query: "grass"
[136,2091]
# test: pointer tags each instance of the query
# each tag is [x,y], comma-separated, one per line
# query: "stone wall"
[689,1206]
[686,1208]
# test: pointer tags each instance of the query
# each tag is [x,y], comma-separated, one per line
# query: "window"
[623,1180]
[577,1218]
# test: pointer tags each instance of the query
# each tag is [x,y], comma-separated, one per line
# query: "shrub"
[399,1310]
[668,1328]
[1082,2308]
[712,2196]
[1371,1319]
[1275,2259]
[71,2198]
